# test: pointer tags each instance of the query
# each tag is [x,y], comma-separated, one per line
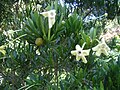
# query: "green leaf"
[41,23]
[85,88]
[94,88]
[3,52]
[30,25]
[101,86]
[61,86]
[81,72]
[110,82]
[93,33]
[86,39]
[23,87]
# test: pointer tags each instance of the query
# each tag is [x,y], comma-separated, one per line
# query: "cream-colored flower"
[51,17]
[2,49]
[101,48]
[80,53]
[38,6]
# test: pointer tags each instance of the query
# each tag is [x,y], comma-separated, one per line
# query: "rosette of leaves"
[36,26]
[73,24]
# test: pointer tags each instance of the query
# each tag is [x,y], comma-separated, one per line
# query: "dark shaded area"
[97,7]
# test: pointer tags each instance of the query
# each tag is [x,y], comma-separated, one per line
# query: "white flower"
[38,7]
[101,48]
[51,17]
[80,53]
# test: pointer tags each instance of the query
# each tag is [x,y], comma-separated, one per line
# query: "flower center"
[51,14]
[79,52]
[103,46]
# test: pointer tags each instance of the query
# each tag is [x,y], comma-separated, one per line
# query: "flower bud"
[39,41]
[106,14]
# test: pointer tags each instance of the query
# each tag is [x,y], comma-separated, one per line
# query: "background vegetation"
[50,66]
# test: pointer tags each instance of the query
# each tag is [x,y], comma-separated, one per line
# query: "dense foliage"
[70,55]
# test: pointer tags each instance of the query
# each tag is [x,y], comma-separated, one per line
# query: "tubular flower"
[2,49]
[51,17]
[80,53]
[101,48]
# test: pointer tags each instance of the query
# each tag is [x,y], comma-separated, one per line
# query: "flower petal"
[84,59]
[45,14]
[103,40]
[105,52]
[74,52]
[51,21]
[78,57]
[96,47]
[85,52]
[98,52]
[83,45]
[51,17]
[77,47]
[51,13]
[107,48]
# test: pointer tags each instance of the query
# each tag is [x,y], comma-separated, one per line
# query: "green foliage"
[51,65]
[5,6]
[96,7]
[37,26]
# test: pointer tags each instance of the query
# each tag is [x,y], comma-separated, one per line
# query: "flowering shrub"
[41,56]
